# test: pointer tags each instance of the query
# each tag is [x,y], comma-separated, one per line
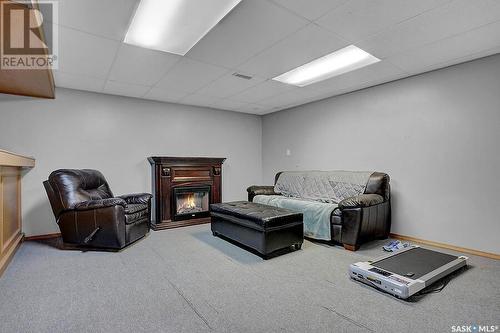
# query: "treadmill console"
[379,271]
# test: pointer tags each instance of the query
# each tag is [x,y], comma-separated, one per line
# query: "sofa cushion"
[379,184]
[324,186]
[337,233]
[336,219]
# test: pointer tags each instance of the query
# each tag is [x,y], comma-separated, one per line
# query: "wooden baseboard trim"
[43,237]
[7,257]
[447,246]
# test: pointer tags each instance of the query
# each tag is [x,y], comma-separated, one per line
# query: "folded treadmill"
[407,271]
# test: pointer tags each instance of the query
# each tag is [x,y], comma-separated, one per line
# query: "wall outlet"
[288,152]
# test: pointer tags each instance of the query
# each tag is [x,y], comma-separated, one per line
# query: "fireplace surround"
[183,189]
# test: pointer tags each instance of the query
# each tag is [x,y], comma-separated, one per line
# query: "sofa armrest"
[259,190]
[101,203]
[138,198]
[361,224]
[360,201]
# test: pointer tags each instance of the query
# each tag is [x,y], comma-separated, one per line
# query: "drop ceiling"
[265,38]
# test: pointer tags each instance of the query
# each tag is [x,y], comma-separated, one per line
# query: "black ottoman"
[265,229]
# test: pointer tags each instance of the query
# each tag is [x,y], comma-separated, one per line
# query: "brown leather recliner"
[90,216]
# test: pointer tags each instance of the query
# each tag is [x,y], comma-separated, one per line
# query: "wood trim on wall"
[447,246]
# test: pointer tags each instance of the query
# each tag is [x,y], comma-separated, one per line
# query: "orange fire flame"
[188,203]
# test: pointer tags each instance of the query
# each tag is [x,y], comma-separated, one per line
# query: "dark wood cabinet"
[169,175]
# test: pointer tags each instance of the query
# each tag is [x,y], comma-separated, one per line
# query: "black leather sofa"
[357,219]
[90,216]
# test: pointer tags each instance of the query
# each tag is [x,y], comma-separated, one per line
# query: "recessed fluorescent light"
[175,26]
[339,62]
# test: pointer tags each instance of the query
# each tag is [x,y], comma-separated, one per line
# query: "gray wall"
[115,135]
[437,135]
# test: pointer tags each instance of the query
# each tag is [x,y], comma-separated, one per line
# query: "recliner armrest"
[260,190]
[137,198]
[360,201]
[101,203]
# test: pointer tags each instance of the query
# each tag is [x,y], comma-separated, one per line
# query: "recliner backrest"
[70,187]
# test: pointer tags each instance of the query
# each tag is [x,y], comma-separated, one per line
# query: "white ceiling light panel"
[339,62]
[175,26]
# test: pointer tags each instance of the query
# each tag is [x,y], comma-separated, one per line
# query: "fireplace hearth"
[183,189]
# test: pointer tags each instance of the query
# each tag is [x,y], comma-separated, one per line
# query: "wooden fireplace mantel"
[170,173]
[186,160]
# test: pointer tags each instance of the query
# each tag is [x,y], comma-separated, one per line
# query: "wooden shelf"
[8,158]
[11,166]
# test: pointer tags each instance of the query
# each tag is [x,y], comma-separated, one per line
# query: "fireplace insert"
[191,202]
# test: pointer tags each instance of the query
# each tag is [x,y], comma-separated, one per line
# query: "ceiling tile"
[165,95]
[450,19]
[470,57]
[228,85]
[251,27]
[261,91]
[190,75]
[303,46]
[81,53]
[105,18]
[199,100]
[141,66]
[264,38]
[375,81]
[299,95]
[361,18]
[79,82]
[254,108]
[310,9]
[125,89]
[226,104]
[444,51]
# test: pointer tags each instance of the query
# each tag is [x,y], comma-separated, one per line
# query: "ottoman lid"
[260,214]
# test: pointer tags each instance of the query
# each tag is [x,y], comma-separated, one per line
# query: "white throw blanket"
[316,214]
